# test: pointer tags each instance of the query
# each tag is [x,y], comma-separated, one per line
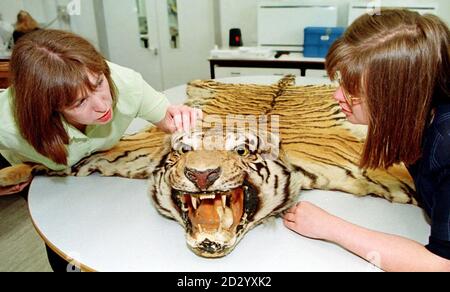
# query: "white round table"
[110,224]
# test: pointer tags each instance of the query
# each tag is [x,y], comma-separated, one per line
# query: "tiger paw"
[15,175]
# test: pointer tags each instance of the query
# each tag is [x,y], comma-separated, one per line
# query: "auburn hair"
[25,22]
[398,63]
[50,70]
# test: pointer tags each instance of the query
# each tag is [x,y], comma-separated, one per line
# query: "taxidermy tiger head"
[218,187]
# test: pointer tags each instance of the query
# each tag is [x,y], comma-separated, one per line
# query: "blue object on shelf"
[318,40]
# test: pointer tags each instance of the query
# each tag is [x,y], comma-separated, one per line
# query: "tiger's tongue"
[211,216]
[206,214]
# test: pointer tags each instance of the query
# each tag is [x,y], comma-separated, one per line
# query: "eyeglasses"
[349,99]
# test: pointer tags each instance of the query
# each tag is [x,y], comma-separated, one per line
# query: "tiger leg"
[17,174]
[393,184]
[133,157]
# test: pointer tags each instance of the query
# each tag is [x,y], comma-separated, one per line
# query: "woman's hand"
[309,220]
[180,118]
[4,191]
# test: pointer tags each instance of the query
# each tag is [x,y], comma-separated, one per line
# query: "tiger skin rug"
[269,143]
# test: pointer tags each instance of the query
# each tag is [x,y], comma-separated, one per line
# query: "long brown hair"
[398,63]
[25,22]
[49,71]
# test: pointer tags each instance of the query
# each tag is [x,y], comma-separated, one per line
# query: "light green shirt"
[135,98]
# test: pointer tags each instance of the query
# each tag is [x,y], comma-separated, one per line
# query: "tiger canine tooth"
[224,201]
[227,220]
[194,202]
[220,212]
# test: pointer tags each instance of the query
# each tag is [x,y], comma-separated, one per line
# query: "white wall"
[196,28]
[122,39]
[242,14]
[444,10]
[85,23]
[239,14]
[9,9]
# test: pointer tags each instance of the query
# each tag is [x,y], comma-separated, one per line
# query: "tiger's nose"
[203,179]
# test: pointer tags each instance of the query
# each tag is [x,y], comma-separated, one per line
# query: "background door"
[188,58]
[124,40]
[180,36]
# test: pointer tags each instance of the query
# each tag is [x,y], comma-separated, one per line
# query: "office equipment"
[281,24]
[235,38]
[358,8]
[318,40]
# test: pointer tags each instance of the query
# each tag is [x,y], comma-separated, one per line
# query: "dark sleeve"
[440,217]
[439,247]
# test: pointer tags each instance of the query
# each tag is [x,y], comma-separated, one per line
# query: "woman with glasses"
[393,70]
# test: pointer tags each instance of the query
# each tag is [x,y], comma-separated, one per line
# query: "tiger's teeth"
[207,197]
[194,202]
[224,201]
[227,220]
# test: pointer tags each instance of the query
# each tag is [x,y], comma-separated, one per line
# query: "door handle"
[154,50]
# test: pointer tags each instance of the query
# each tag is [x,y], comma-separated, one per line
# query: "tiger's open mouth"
[211,212]
[214,219]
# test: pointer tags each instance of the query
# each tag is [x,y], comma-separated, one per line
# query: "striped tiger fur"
[219,195]
[315,135]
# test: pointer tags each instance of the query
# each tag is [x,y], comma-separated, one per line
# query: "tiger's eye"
[242,151]
[185,149]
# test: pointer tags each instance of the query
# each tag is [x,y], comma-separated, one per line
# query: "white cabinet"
[316,73]
[222,72]
[293,63]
